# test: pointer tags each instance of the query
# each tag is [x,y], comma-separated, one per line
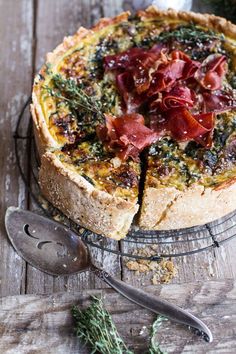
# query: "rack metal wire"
[173,243]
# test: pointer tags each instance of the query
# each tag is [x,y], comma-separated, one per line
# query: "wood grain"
[16,18]
[43,324]
[217,263]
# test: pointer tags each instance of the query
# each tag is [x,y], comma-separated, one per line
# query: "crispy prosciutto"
[180,95]
[137,62]
[166,76]
[191,66]
[185,126]
[218,102]
[212,71]
[127,135]
[132,99]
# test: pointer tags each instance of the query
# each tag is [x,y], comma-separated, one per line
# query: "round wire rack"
[164,244]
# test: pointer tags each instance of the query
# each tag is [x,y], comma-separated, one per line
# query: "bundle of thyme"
[95,327]
[69,92]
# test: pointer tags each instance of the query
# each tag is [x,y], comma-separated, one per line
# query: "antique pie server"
[55,249]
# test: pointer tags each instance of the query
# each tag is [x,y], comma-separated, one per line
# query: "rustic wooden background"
[29,29]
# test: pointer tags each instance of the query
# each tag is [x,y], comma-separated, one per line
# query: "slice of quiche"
[187,185]
[91,187]
[152,91]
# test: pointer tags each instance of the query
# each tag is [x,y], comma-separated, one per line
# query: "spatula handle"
[155,304]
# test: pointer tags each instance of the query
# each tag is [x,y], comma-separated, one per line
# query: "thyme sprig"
[96,328]
[154,347]
[68,91]
[188,35]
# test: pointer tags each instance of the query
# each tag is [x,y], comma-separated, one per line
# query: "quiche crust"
[162,208]
[169,208]
[79,200]
[217,23]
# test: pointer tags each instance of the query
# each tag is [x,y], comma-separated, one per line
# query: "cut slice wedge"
[100,194]
[181,191]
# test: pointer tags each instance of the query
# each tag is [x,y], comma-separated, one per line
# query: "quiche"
[138,116]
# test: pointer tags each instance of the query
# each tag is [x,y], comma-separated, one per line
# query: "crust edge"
[80,201]
[169,208]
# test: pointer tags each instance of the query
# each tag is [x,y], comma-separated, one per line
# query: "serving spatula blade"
[45,244]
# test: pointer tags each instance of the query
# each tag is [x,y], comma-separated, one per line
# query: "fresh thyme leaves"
[97,149]
[154,347]
[96,328]
[69,92]
[188,35]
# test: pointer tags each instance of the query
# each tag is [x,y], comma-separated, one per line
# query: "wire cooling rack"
[165,244]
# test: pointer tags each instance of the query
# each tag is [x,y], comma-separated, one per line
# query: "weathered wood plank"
[55,19]
[16,18]
[216,263]
[111,8]
[43,323]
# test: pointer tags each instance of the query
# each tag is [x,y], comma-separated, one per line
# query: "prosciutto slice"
[212,71]
[132,100]
[179,67]
[184,126]
[137,62]
[218,102]
[181,95]
[127,135]
[191,66]
[166,76]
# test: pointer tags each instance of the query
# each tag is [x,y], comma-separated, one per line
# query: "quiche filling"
[152,94]
[179,78]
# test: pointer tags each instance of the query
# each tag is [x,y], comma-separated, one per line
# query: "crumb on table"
[161,271]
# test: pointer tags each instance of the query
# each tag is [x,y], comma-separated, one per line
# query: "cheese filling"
[80,73]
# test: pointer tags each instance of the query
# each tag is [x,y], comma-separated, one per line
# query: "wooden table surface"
[29,29]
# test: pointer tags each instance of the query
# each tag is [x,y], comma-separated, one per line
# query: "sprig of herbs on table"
[154,347]
[95,327]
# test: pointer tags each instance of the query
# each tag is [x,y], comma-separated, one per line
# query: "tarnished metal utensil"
[55,249]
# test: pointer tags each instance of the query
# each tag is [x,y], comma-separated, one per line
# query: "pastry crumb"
[161,272]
